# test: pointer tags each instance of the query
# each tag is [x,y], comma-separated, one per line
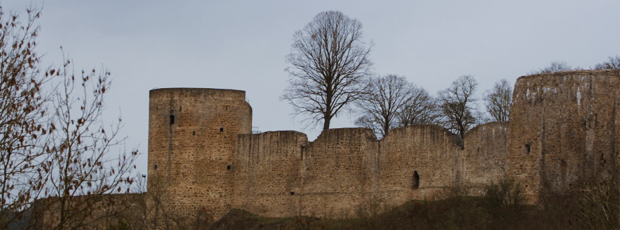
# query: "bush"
[506,193]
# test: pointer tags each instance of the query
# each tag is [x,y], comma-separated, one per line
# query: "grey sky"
[242,45]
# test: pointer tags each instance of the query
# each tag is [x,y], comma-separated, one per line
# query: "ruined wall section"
[562,128]
[414,162]
[484,158]
[281,174]
[192,138]
[337,170]
[267,173]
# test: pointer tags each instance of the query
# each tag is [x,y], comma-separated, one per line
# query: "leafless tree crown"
[386,98]
[422,109]
[457,105]
[54,143]
[498,101]
[552,68]
[80,164]
[611,63]
[22,111]
[329,63]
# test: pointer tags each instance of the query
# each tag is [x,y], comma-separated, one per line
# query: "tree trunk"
[326,123]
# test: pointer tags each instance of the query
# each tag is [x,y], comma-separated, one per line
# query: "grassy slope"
[453,213]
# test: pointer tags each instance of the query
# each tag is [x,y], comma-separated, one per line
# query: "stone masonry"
[562,127]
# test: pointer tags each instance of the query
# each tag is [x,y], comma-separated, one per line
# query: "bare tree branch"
[556,66]
[329,64]
[22,112]
[422,109]
[612,63]
[498,101]
[80,162]
[457,105]
[380,107]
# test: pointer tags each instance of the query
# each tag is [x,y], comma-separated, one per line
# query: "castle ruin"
[563,127]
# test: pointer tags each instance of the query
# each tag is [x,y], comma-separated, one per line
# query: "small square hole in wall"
[193,133]
[528,148]
[228,167]
[292,193]
[221,130]
[155,166]
[172,119]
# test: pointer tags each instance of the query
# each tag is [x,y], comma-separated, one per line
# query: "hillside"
[458,212]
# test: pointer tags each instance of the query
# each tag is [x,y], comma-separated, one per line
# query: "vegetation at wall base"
[501,208]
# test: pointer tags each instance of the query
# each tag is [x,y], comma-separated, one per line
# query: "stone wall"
[282,174]
[484,158]
[563,128]
[192,137]
[200,146]
[428,151]
[337,171]
[267,172]
[102,212]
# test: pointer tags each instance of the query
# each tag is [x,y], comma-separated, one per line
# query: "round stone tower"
[192,139]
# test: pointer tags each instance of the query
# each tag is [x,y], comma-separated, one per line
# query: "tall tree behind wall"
[498,101]
[555,66]
[422,109]
[458,105]
[329,65]
[386,99]
[611,63]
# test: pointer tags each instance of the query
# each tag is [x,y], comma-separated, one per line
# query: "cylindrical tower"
[192,139]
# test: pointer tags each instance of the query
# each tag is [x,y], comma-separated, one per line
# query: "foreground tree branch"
[56,153]
[82,168]
[22,112]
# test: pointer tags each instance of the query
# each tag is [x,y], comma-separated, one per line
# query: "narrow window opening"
[416,180]
[221,130]
[155,166]
[228,167]
[172,119]
[528,148]
[292,193]
[563,170]
[193,133]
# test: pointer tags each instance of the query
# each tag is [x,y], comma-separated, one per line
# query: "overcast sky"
[243,44]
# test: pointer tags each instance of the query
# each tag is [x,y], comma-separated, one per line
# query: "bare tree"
[53,145]
[612,63]
[22,111]
[422,109]
[81,168]
[498,101]
[386,98]
[552,68]
[457,105]
[329,66]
